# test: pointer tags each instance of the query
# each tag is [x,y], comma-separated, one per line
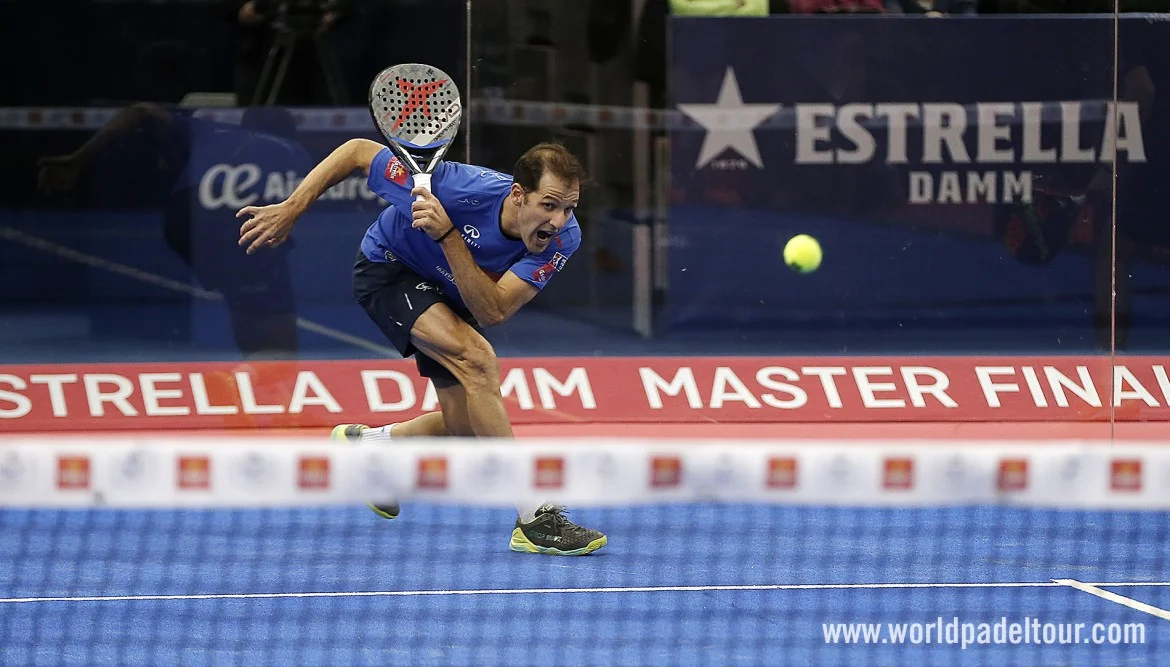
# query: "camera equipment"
[295,22]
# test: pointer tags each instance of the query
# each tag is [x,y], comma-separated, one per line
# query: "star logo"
[729,123]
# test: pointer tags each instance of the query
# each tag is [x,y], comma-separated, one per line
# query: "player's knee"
[475,365]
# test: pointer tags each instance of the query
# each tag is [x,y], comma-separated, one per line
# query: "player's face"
[546,211]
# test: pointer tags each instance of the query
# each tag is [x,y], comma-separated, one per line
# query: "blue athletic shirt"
[473,198]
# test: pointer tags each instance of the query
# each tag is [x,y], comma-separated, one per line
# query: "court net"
[261,551]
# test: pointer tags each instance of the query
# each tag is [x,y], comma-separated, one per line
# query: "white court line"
[1092,589]
[547,591]
[17,236]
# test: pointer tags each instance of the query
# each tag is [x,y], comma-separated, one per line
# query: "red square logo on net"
[1126,475]
[665,471]
[781,472]
[396,171]
[313,472]
[432,472]
[898,473]
[549,472]
[73,472]
[194,472]
[1013,475]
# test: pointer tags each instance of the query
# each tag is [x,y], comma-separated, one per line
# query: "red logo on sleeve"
[545,272]
[396,171]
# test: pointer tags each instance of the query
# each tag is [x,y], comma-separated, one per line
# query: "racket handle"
[422,181]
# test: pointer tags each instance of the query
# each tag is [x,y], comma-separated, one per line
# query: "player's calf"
[472,362]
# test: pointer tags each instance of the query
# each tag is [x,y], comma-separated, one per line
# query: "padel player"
[431,272]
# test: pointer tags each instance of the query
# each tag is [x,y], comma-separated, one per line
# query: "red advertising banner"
[591,389]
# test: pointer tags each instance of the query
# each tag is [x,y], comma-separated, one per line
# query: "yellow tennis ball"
[802,253]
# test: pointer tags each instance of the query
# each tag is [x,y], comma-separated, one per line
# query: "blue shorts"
[394,296]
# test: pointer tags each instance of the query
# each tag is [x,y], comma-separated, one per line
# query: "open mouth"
[543,236]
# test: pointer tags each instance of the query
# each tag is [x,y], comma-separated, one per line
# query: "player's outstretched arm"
[269,226]
[355,154]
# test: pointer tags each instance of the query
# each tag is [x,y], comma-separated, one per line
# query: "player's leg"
[468,358]
[427,425]
[383,289]
[448,343]
[453,401]
[419,320]
[450,420]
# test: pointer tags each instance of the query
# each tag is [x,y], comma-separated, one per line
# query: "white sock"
[379,434]
[528,512]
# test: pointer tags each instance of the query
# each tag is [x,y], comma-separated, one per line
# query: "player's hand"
[267,226]
[428,213]
[57,174]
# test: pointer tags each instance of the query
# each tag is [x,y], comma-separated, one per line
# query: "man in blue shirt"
[203,165]
[467,253]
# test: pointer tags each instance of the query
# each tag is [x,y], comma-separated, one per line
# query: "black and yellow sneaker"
[352,433]
[552,533]
[348,433]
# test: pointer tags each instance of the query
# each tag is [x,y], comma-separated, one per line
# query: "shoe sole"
[338,435]
[522,544]
[381,512]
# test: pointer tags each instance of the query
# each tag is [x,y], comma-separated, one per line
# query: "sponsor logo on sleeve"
[545,272]
[396,171]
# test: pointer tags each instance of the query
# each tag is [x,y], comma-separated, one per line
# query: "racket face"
[417,107]
[1036,232]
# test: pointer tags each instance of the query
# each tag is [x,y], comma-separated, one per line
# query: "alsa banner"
[616,390]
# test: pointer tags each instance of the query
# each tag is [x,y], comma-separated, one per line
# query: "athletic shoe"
[552,533]
[352,433]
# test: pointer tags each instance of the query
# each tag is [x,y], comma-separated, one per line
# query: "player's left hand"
[428,213]
[266,226]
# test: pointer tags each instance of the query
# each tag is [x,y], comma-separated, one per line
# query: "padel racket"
[418,109]
[1035,232]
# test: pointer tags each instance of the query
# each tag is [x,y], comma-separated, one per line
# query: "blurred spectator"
[829,7]
[1070,6]
[266,29]
[932,7]
[200,165]
[719,7]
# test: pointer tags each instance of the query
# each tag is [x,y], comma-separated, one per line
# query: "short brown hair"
[544,158]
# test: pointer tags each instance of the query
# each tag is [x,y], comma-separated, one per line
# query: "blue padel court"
[693,584]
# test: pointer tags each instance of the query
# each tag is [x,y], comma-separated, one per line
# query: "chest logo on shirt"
[470,231]
[396,171]
[545,272]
